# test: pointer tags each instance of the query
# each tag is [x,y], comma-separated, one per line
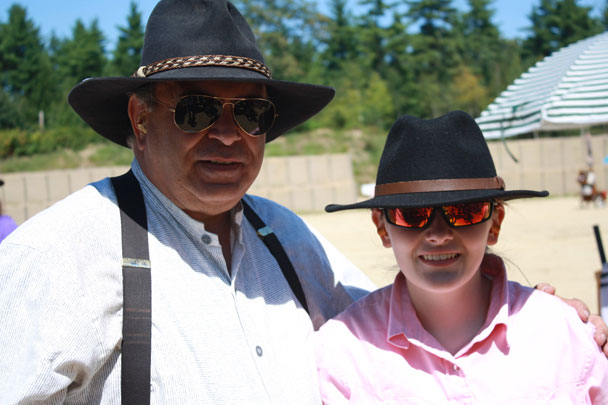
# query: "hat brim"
[436,198]
[102,102]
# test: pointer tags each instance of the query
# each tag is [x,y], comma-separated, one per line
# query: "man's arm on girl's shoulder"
[601,330]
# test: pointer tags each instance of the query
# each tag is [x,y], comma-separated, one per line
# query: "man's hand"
[601,330]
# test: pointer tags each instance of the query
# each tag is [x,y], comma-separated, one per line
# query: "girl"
[452,329]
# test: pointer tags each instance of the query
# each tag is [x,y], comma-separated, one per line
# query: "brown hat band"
[202,60]
[422,186]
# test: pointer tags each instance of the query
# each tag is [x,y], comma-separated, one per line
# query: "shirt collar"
[404,327]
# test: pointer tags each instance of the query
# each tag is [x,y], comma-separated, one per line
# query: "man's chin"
[222,195]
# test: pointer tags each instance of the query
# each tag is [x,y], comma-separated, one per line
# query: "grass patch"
[61,159]
[111,154]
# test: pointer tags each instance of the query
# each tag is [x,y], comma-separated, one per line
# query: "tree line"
[421,57]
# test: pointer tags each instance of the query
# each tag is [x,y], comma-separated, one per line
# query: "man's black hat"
[195,40]
[435,162]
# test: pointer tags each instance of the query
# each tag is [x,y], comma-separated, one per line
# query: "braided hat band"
[203,60]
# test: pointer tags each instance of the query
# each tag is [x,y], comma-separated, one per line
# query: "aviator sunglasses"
[457,215]
[196,112]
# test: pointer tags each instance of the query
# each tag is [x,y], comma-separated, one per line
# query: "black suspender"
[137,286]
[272,243]
[137,291]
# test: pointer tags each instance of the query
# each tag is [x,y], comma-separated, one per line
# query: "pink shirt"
[377,351]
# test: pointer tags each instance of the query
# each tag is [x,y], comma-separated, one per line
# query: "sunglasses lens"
[409,217]
[254,116]
[196,113]
[468,213]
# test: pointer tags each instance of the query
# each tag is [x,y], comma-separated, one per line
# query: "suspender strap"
[272,243]
[137,291]
[137,285]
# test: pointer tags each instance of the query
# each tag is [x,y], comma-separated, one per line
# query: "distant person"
[452,328]
[7,224]
[589,192]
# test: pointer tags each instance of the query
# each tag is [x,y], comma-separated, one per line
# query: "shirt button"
[259,351]
[206,239]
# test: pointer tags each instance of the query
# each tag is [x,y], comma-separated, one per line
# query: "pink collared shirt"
[532,349]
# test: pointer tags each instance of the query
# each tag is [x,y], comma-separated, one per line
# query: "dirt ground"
[542,239]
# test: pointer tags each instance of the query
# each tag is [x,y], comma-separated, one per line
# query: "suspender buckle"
[265,231]
[139,263]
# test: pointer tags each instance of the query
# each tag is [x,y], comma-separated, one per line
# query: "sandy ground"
[543,239]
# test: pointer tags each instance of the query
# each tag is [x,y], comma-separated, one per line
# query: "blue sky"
[59,16]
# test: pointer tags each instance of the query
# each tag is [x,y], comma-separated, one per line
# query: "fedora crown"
[435,162]
[449,147]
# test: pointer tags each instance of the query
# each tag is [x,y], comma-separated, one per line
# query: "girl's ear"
[497,217]
[380,222]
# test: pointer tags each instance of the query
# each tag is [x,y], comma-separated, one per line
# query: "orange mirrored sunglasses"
[457,215]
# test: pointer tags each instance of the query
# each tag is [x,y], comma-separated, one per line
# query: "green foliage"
[557,23]
[468,91]
[26,71]
[130,43]
[111,154]
[61,159]
[81,56]
[286,32]
[9,110]
[378,108]
[20,142]
[419,57]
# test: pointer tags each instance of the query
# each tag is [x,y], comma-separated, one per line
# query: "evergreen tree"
[435,54]
[75,59]
[127,54]
[26,76]
[400,72]
[287,33]
[82,55]
[482,43]
[555,24]
[373,35]
[490,63]
[340,42]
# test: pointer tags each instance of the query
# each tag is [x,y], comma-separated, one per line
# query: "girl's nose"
[439,231]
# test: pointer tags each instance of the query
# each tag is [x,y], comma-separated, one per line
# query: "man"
[226,325]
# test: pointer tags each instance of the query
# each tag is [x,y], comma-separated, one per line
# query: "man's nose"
[225,129]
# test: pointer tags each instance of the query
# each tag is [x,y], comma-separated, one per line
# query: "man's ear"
[138,115]
[497,217]
[380,222]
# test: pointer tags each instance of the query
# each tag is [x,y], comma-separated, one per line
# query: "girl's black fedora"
[435,162]
[195,40]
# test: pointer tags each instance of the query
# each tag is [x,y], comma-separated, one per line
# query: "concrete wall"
[549,163]
[302,183]
[308,183]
